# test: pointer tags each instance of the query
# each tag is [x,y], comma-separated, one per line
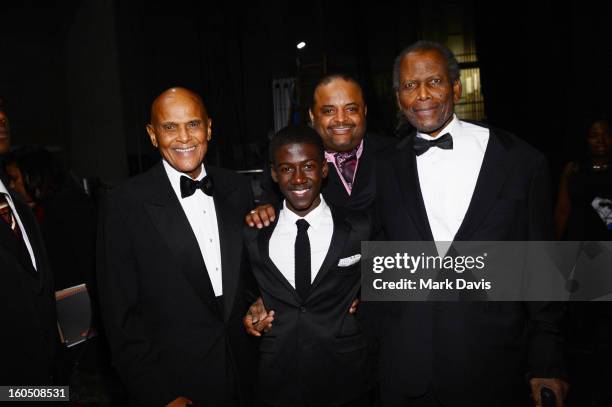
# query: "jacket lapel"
[405,167]
[493,172]
[339,239]
[166,213]
[230,238]
[18,248]
[263,243]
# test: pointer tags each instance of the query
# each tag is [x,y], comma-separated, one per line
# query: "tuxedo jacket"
[27,306]
[316,354]
[364,185]
[169,335]
[470,353]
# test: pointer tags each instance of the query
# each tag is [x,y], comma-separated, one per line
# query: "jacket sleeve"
[545,338]
[134,355]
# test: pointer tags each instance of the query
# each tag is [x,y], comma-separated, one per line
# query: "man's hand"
[558,386]
[353,308]
[261,216]
[179,402]
[257,319]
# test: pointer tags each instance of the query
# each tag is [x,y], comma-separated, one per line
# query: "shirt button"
[302,309]
[210,240]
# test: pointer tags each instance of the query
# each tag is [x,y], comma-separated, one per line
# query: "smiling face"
[5,135]
[426,95]
[299,171]
[180,129]
[339,114]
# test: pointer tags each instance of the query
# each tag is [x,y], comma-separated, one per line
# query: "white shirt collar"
[175,176]
[313,217]
[453,127]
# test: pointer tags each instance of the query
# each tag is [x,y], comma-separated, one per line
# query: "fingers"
[258,310]
[353,308]
[270,212]
[261,216]
[256,328]
[249,327]
[265,325]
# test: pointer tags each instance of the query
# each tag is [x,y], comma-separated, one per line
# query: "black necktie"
[189,186]
[302,258]
[445,142]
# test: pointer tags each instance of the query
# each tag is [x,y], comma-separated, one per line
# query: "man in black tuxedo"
[338,114]
[307,266]
[450,181]
[27,303]
[172,269]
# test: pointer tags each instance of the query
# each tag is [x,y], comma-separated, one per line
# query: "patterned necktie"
[6,214]
[347,162]
[302,258]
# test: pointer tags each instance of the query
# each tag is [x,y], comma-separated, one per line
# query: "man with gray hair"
[448,181]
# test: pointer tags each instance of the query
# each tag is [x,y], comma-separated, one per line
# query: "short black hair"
[332,77]
[295,135]
[454,70]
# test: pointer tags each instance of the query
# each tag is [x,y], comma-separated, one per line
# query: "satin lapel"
[338,241]
[407,175]
[29,224]
[166,213]
[263,243]
[493,172]
[16,248]
[230,237]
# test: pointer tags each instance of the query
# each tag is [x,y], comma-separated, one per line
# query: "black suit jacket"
[364,187]
[27,306]
[169,337]
[317,353]
[470,354]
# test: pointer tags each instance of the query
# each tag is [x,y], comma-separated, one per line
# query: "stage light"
[301,45]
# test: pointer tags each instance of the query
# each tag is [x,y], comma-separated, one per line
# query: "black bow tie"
[445,142]
[189,186]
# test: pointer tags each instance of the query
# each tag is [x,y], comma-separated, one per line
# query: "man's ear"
[397,100]
[273,172]
[324,168]
[457,90]
[311,115]
[209,130]
[365,110]
[152,135]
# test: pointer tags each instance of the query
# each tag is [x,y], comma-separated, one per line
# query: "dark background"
[78,76]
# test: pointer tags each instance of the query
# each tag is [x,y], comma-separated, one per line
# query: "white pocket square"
[349,261]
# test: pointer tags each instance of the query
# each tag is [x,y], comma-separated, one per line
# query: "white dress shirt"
[24,235]
[200,211]
[448,177]
[282,241]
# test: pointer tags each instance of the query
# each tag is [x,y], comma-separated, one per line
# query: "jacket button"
[302,309]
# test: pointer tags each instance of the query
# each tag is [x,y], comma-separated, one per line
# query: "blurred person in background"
[584,213]
[584,203]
